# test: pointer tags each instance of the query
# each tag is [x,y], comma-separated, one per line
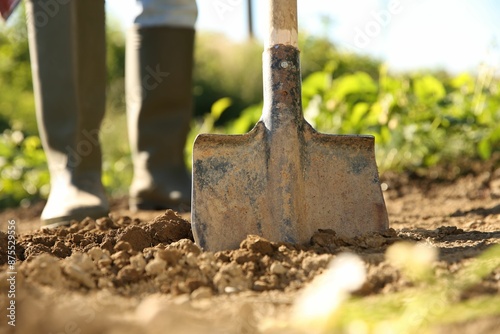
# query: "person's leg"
[67,48]
[159,63]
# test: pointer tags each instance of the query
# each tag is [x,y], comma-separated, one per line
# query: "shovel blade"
[335,185]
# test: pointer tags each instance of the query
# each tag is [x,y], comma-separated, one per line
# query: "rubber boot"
[159,62]
[67,47]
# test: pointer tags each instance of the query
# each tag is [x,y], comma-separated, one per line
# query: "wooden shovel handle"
[282,23]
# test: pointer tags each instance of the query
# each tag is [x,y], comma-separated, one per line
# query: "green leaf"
[246,121]
[315,83]
[32,143]
[463,80]
[429,89]
[360,110]
[219,107]
[359,84]
[484,149]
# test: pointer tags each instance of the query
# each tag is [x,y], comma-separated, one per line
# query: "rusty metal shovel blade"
[283,180]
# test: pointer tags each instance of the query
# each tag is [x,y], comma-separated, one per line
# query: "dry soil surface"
[142,273]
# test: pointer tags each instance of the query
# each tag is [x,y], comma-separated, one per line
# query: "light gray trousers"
[174,13]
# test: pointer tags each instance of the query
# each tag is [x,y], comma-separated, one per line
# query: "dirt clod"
[257,245]
[170,227]
[137,237]
[61,250]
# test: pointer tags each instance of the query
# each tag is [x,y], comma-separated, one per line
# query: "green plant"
[206,124]
[24,176]
[117,160]
[418,120]
[16,94]
[226,69]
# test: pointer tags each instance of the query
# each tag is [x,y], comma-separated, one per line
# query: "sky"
[456,35]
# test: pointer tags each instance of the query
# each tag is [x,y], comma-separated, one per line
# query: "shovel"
[283,180]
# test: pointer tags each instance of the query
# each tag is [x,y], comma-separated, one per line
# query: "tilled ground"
[124,274]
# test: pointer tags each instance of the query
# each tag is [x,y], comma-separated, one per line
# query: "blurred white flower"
[318,302]
[17,137]
[414,259]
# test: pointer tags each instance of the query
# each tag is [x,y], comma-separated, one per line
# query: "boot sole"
[76,216]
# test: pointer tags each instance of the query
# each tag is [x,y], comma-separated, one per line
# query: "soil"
[142,273]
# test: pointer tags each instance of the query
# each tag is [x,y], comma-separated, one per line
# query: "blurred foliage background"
[419,120]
